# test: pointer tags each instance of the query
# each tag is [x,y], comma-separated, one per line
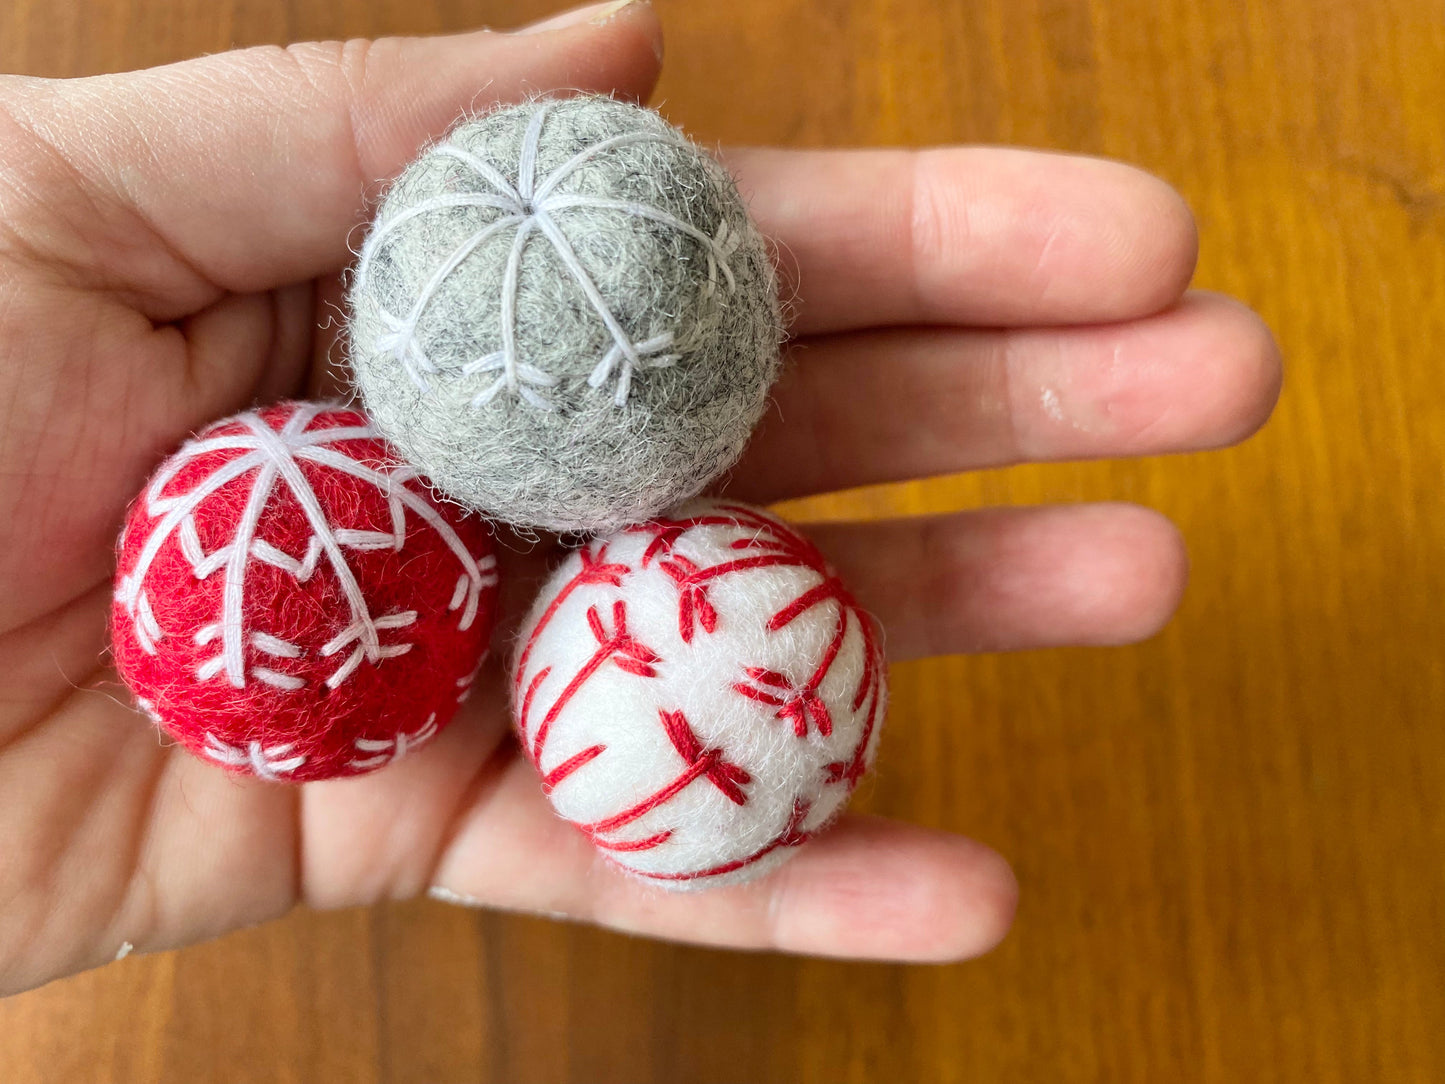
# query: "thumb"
[251,167]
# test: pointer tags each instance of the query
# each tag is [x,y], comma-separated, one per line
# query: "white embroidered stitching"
[289,682]
[300,570]
[270,762]
[274,456]
[273,645]
[531,206]
[464,684]
[388,751]
[479,574]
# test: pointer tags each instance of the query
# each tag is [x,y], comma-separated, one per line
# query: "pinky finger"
[868,889]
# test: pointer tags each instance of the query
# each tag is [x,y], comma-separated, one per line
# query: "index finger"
[986,236]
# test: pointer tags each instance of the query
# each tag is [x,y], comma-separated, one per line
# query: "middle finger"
[883,406]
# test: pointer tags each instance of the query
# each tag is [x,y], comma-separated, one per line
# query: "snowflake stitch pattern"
[773,750]
[535,209]
[272,569]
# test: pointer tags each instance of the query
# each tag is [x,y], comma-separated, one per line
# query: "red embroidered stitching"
[727,777]
[619,646]
[633,844]
[791,836]
[802,706]
[781,547]
[595,569]
[694,602]
[701,764]
[570,765]
[769,545]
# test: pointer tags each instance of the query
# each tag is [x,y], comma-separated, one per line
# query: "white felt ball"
[563,316]
[700,694]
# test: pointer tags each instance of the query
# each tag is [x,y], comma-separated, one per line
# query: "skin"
[170,244]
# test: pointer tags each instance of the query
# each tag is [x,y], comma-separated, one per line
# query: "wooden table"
[1231,840]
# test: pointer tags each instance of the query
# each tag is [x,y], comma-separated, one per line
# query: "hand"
[170,242]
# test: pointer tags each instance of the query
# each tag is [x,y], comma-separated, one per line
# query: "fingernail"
[596,14]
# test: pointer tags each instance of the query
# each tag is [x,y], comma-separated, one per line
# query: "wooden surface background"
[1231,840]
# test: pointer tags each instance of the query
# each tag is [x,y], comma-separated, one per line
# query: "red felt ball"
[291,602]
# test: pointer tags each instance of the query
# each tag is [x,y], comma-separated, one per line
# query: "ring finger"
[1011,578]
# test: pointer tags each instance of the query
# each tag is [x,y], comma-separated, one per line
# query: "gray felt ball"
[564,317]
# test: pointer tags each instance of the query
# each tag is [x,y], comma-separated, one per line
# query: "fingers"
[867,888]
[1011,578]
[252,167]
[114,843]
[377,836]
[246,338]
[975,235]
[875,407]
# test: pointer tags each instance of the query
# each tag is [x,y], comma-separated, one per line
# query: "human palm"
[170,249]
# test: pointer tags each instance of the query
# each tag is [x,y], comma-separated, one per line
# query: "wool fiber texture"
[564,317]
[290,602]
[699,694]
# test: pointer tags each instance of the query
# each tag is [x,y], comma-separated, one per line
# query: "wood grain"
[1229,839]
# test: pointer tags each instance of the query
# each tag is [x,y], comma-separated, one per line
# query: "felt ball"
[699,693]
[291,602]
[564,317]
